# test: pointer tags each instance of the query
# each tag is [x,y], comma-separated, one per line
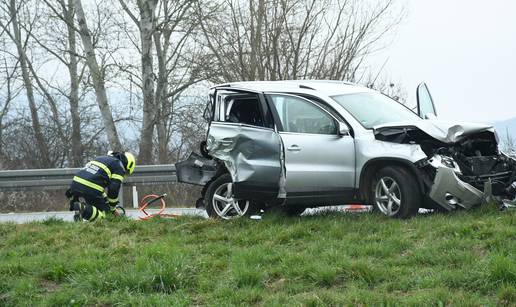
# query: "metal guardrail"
[60,178]
[53,179]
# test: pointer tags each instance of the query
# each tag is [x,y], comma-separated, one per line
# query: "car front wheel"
[395,192]
[220,201]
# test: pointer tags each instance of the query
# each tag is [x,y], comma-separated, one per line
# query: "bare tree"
[389,88]
[146,24]
[10,94]
[508,142]
[67,59]
[293,39]
[62,45]
[97,77]
[188,125]
[44,38]
[15,33]
[166,68]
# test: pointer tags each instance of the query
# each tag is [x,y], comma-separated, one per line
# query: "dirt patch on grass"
[49,285]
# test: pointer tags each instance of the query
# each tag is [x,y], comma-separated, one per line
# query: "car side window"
[243,109]
[299,115]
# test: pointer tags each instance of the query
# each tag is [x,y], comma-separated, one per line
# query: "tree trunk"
[97,78]
[38,134]
[5,108]
[162,140]
[74,87]
[147,25]
[160,97]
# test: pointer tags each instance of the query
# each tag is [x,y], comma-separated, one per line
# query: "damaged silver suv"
[299,144]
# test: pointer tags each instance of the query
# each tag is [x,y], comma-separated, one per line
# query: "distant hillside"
[505,126]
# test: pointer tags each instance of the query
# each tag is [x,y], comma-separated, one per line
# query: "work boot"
[77,217]
[78,207]
[75,205]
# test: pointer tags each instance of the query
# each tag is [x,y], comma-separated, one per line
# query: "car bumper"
[449,191]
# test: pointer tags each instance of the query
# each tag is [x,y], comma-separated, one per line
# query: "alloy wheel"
[225,205]
[388,196]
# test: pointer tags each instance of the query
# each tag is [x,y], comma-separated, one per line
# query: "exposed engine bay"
[472,157]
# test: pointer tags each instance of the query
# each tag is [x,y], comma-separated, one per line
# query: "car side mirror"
[425,103]
[343,129]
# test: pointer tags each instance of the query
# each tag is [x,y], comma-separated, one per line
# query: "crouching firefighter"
[94,189]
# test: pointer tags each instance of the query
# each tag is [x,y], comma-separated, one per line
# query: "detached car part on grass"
[299,144]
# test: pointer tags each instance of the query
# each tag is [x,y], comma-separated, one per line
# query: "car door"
[241,134]
[319,163]
[425,103]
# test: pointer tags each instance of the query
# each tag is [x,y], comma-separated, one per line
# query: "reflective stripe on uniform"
[102,166]
[88,183]
[94,214]
[112,200]
[119,177]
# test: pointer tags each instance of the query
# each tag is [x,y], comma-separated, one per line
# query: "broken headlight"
[444,161]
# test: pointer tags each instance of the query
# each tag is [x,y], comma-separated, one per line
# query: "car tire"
[395,192]
[219,201]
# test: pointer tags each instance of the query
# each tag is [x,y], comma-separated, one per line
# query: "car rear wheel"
[220,201]
[395,192]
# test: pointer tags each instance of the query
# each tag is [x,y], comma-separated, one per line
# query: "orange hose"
[150,198]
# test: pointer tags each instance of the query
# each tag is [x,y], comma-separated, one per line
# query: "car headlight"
[444,161]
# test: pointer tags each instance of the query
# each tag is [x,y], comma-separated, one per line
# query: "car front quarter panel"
[368,148]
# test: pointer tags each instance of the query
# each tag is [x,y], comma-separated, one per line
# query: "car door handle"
[294,148]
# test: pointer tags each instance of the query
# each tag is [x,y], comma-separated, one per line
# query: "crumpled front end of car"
[487,180]
[464,166]
[449,191]
[462,171]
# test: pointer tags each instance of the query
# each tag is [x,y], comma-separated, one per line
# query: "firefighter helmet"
[127,160]
[131,162]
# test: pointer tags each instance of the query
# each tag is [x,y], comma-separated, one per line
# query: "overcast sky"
[466,52]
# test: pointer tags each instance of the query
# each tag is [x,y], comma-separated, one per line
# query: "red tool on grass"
[151,199]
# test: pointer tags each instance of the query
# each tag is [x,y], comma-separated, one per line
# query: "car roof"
[325,87]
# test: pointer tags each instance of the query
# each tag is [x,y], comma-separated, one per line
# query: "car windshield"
[372,109]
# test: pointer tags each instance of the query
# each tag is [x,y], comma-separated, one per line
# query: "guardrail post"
[135,197]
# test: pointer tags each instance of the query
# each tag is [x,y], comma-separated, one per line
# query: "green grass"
[463,258]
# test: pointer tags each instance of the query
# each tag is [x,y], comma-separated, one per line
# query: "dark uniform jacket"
[99,174]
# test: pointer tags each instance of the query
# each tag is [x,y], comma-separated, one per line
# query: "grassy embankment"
[464,258]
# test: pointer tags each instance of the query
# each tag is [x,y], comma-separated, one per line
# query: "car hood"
[444,131]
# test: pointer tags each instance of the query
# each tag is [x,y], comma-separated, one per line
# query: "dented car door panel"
[241,137]
[251,155]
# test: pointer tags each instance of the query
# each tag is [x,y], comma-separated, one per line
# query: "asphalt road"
[21,218]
